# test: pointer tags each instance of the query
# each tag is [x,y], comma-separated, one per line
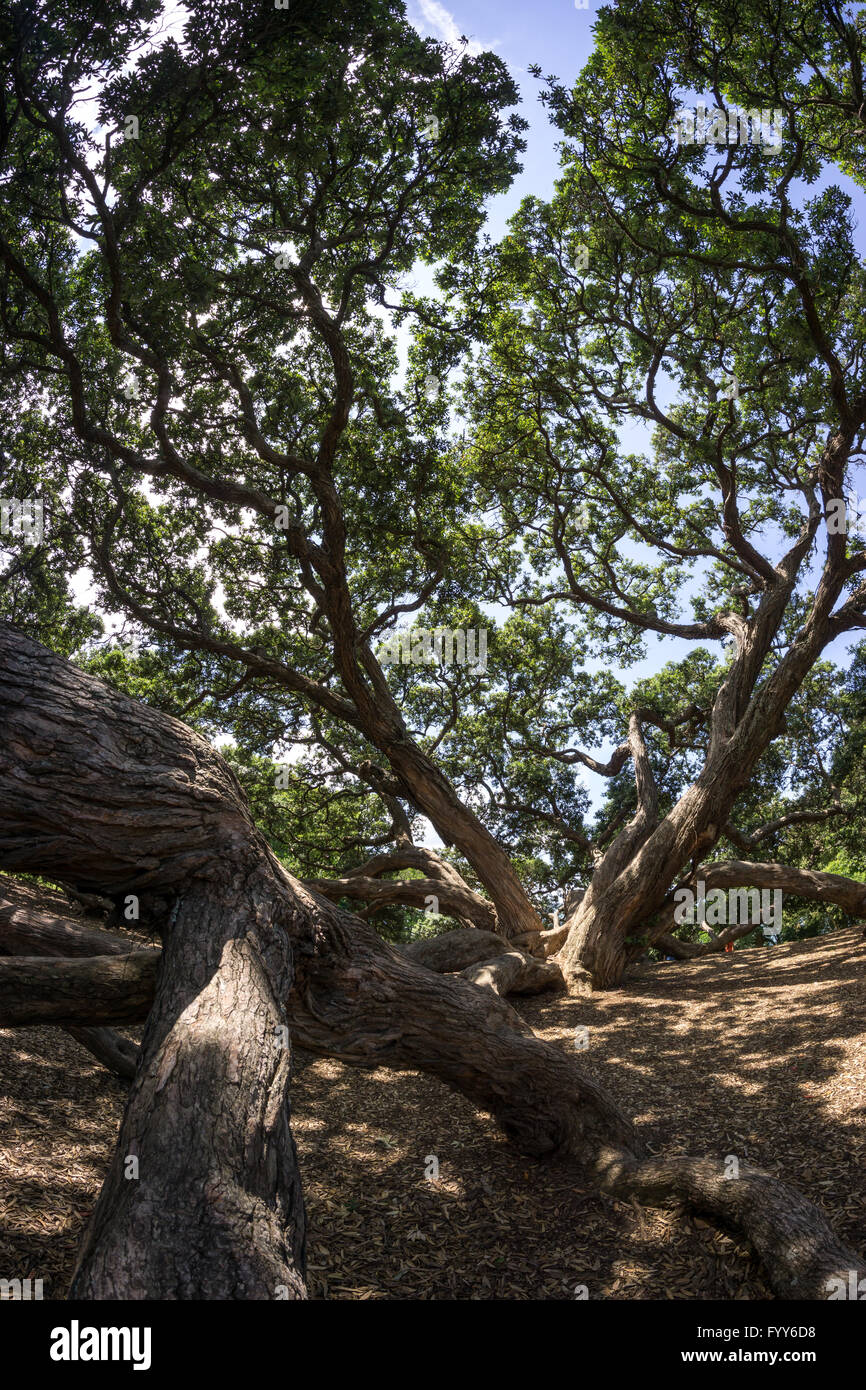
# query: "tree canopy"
[629,419]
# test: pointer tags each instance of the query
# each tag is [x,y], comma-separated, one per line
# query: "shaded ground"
[760,1055]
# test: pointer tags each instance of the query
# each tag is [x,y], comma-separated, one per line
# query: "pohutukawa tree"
[205,248]
[196,292]
[669,402]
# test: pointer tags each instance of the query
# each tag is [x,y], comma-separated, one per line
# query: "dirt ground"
[760,1055]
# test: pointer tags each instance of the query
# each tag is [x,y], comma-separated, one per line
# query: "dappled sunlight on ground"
[760,1055]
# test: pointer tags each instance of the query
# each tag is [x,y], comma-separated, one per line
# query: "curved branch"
[453,900]
[811,884]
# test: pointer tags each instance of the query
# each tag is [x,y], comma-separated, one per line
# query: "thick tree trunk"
[362,1002]
[212,1207]
[203,1198]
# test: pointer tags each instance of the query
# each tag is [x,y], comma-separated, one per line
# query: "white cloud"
[442,24]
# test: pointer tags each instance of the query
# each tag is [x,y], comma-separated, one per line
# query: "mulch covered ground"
[761,1055]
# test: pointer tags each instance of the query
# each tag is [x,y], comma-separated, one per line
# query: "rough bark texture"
[455,900]
[100,989]
[360,1001]
[480,958]
[215,1210]
[26,928]
[515,973]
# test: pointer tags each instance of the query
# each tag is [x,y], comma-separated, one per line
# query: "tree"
[216,340]
[670,401]
[196,311]
[214,422]
[198,380]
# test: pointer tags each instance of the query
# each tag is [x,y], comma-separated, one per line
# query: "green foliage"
[199,321]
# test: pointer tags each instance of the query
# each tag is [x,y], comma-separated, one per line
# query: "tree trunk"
[114,1051]
[636,873]
[456,824]
[212,1207]
[27,929]
[515,973]
[100,989]
[203,1196]
[811,884]
[454,950]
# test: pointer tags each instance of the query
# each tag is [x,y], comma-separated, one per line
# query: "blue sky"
[552,33]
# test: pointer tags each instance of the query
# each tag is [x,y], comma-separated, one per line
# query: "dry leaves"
[761,1056]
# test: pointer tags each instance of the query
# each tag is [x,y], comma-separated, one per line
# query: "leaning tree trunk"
[634,879]
[203,1197]
[635,875]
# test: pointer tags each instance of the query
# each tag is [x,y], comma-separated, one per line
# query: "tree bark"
[26,928]
[360,1001]
[213,1208]
[114,1051]
[455,900]
[479,957]
[453,950]
[100,989]
[515,973]
[811,884]
[633,879]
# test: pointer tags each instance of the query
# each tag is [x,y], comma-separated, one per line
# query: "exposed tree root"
[114,1051]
